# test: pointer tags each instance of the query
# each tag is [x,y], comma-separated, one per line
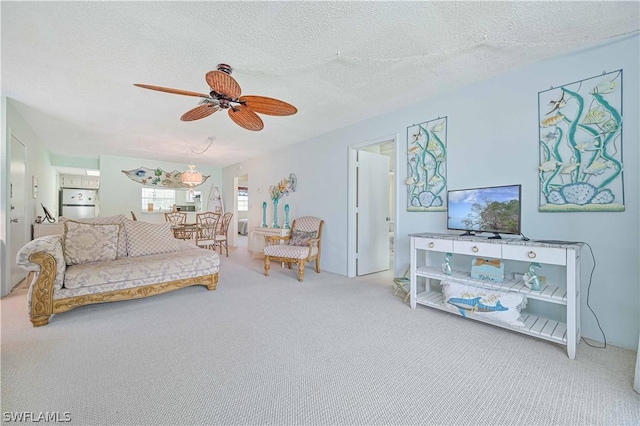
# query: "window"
[243,199]
[158,200]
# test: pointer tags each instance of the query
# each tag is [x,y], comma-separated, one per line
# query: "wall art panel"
[427,166]
[580,138]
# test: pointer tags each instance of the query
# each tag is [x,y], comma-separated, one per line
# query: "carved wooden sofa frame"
[43,305]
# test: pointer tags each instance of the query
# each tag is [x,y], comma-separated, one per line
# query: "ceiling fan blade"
[170,90]
[246,118]
[223,83]
[268,106]
[201,111]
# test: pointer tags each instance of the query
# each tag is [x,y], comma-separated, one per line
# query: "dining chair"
[223,232]
[206,226]
[302,246]
[178,220]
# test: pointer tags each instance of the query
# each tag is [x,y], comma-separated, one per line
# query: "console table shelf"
[535,326]
[428,249]
[548,293]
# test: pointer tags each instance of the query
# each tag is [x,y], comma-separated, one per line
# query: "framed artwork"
[580,146]
[34,186]
[427,166]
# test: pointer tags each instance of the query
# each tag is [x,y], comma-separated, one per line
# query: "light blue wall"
[119,194]
[77,162]
[492,140]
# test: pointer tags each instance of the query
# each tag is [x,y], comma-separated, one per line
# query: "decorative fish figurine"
[598,167]
[588,146]
[438,127]
[429,166]
[433,145]
[474,305]
[434,179]
[551,121]
[609,126]
[568,168]
[549,166]
[594,116]
[414,149]
[410,181]
[604,87]
[557,104]
[550,136]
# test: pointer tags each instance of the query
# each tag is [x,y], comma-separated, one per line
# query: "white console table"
[427,253]
[258,235]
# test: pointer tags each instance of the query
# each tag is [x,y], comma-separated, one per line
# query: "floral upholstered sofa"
[110,259]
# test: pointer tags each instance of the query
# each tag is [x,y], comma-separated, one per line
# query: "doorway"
[372,210]
[18,226]
[241,210]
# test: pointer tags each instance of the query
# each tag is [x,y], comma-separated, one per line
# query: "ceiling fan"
[225,94]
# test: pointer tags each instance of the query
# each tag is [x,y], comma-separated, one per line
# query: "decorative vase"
[275,213]
[286,217]
[446,266]
[531,279]
[264,215]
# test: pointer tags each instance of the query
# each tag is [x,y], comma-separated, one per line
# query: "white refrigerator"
[78,203]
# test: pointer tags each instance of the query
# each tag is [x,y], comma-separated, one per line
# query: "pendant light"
[192,177]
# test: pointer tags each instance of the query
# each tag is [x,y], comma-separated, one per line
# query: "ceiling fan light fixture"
[225,94]
[192,177]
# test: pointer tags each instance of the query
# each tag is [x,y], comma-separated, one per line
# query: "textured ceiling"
[70,66]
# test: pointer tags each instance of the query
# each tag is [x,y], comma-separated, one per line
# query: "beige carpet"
[273,351]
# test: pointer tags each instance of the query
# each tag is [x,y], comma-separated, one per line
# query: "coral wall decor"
[427,166]
[580,140]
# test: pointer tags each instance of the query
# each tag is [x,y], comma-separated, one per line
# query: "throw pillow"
[497,306]
[301,238]
[145,238]
[87,242]
[108,220]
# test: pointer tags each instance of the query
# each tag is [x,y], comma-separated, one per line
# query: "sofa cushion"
[108,220]
[145,238]
[135,271]
[88,242]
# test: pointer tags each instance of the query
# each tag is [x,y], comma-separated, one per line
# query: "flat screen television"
[491,209]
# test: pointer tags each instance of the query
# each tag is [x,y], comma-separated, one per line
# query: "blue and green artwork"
[580,139]
[427,166]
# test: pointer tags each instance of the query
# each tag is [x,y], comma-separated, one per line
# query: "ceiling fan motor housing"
[225,68]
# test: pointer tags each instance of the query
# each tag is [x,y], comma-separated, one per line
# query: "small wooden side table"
[258,236]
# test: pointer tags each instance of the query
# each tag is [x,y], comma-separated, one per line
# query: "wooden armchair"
[223,231]
[178,221]
[302,246]
[206,229]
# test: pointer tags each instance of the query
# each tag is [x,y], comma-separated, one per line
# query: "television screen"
[493,209]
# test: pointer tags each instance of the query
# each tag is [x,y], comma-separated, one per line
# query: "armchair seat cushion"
[293,252]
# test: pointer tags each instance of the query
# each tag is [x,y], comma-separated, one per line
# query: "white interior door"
[372,214]
[18,230]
